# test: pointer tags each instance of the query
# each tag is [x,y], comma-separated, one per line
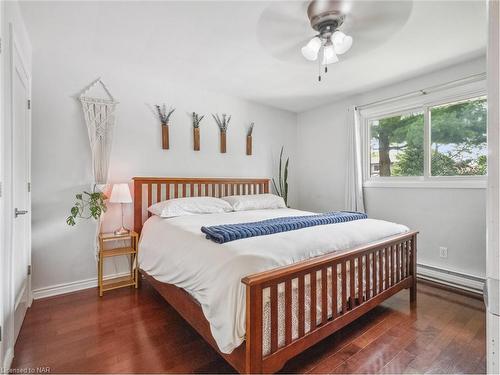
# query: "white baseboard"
[452,278]
[73,286]
[455,279]
[7,361]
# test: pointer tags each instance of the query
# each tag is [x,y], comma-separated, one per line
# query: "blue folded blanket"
[232,232]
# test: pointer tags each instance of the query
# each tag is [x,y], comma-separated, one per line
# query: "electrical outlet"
[443,252]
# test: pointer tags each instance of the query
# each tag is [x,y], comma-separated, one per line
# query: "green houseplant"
[87,205]
[282,187]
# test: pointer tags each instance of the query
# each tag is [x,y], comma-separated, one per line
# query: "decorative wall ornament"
[99,114]
[196,130]
[249,138]
[222,123]
[164,117]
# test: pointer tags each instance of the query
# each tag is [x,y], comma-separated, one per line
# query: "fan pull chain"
[319,68]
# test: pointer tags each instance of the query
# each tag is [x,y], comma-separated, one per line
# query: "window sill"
[429,184]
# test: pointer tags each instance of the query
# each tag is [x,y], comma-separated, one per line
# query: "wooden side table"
[131,250]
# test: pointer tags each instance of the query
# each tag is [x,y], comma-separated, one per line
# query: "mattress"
[175,251]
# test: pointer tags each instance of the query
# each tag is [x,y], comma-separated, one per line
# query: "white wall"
[11,19]
[454,218]
[61,155]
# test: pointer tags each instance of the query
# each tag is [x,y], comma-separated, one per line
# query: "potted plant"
[164,117]
[196,130]
[87,205]
[222,123]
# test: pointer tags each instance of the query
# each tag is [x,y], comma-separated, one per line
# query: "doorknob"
[19,212]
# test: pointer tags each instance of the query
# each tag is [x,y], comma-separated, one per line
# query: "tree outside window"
[458,145]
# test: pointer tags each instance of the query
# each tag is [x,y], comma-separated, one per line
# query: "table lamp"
[121,194]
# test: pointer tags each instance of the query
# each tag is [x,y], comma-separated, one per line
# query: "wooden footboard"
[359,278]
[380,270]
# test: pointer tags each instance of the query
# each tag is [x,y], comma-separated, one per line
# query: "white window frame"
[421,103]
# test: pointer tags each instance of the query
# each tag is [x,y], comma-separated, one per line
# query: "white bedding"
[175,251]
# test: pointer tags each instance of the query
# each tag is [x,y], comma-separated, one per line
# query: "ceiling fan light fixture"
[327,18]
[342,43]
[311,49]
[329,55]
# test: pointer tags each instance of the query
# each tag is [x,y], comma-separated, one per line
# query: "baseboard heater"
[454,279]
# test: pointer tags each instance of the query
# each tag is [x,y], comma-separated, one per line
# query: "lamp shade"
[341,42]
[310,50]
[120,194]
[329,56]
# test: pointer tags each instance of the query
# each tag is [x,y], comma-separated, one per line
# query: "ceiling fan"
[352,27]
[327,17]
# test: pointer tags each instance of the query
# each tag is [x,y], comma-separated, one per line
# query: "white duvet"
[175,251]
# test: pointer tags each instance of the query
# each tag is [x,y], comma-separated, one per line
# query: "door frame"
[3,279]
[493,194]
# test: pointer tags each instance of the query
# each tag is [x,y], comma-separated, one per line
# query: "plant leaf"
[275,187]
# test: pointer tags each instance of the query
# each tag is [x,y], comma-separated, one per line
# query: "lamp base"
[121,231]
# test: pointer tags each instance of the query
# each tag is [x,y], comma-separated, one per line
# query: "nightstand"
[131,249]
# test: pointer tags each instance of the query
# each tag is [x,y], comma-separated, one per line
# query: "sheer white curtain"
[354,200]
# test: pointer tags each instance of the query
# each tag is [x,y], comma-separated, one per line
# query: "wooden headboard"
[150,190]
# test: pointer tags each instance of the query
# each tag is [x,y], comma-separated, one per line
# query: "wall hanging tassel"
[99,114]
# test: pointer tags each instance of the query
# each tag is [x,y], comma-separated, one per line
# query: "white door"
[21,249]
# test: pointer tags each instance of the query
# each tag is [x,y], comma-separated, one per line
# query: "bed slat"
[334,290]
[344,287]
[312,283]
[367,276]
[150,197]
[274,318]
[301,300]
[360,280]
[324,295]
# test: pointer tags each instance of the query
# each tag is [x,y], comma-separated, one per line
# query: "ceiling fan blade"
[283,29]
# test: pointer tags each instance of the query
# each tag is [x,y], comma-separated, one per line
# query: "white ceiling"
[234,47]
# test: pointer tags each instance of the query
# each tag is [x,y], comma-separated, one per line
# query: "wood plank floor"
[132,330]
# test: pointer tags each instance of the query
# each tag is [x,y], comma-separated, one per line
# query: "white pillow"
[190,206]
[255,202]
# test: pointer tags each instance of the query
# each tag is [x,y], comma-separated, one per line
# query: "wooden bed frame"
[399,253]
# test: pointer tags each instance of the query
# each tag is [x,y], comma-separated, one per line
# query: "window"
[397,146]
[438,140]
[458,138]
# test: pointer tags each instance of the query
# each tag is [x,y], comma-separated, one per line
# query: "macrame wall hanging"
[99,114]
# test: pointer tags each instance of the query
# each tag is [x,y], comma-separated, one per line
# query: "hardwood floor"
[132,330]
